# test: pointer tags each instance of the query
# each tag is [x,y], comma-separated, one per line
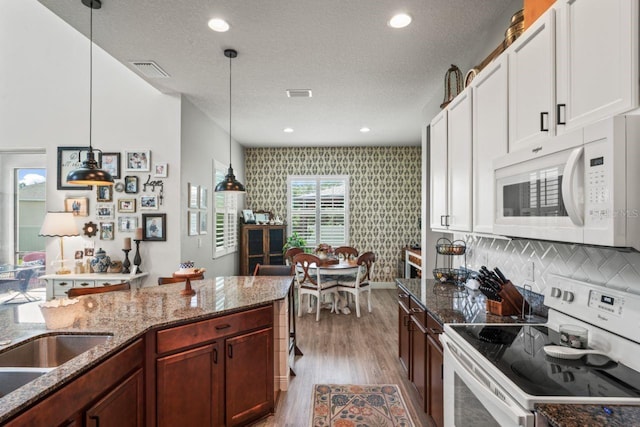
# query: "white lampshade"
[59,224]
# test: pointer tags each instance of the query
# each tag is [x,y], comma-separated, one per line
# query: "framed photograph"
[160,170]
[104,193]
[88,251]
[70,158]
[137,161]
[193,196]
[127,205]
[78,205]
[192,225]
[106,231]
[111,163]
[154,227]
[204,225]
[78,255]
[148,202]
[204,197]
[127,224]
[262,217]
[248,216]
[131,184]
[105,210]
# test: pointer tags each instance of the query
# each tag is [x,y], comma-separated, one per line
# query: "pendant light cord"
[90,77]
[230,76]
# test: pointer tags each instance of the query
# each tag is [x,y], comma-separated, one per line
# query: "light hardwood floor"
[344,349]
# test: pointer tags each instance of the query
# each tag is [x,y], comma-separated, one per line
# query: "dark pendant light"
[90,173]
[230,183]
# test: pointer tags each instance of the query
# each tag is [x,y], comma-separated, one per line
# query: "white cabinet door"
[438,170]
[459,162]
[490,138]
[597,60]
[532,84]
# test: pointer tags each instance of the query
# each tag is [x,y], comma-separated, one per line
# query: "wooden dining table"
[344,267]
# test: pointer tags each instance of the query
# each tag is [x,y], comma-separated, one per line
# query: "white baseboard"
[281,382]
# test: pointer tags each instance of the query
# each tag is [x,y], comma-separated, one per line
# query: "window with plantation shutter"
[318,209]
[225,216]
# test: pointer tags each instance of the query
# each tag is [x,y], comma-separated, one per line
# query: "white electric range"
[495,374]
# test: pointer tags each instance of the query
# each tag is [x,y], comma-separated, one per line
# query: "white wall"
[44,103]
[203,142]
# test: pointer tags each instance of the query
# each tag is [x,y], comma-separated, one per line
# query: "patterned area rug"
[347,405]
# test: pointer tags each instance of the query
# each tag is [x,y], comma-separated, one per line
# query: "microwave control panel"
[597,186]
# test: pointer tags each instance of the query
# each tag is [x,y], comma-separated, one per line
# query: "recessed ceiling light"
[287,130]
[364,129]
[219,25]
[400,20]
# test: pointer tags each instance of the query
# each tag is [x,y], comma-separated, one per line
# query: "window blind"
[226,223]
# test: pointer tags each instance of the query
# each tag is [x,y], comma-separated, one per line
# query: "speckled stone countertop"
[127,315]
[449,303]
[589,415]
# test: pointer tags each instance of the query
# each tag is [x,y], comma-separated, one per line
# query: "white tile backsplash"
[619,269]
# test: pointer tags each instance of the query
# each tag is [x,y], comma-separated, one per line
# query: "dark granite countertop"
[127,316]
[449,303]
[565,415]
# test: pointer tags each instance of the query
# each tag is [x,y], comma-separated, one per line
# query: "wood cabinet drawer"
[419,314]
[433,326]
[211,329]
[403,298]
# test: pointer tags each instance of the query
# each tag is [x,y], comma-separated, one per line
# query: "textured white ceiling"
[362,72]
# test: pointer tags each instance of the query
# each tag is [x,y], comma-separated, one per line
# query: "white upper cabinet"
[532,84]
[597,60]
[459,162]
[438,170]
[490,138]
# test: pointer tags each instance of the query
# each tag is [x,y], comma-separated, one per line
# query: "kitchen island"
[150,315]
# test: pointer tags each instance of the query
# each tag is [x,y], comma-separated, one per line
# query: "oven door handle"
[495,399]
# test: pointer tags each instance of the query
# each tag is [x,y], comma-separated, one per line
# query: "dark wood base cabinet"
[109,395]
[216,372]
[420,353]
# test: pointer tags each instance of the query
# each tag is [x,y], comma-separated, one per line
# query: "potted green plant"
[294,241]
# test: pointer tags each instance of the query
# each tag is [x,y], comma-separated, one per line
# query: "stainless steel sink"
[50,351]
[13,378]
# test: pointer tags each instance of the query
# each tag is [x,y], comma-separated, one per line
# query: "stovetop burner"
[517,351]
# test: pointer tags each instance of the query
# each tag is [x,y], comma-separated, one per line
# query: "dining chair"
[290,253]
[273,270]
[168,280]
[22,278]
[361,282]
[346,252]
[76,292]
[309,281]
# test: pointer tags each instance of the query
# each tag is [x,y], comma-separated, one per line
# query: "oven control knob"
[556,292]
[567,296]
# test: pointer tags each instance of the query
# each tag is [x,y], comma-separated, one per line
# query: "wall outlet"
[199,242]
[529,272]
[485,259]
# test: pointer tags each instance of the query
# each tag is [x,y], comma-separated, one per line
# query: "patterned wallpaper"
[618,269]
[380,220]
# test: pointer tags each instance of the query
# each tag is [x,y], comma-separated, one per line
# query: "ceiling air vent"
[149,69]
[299,93]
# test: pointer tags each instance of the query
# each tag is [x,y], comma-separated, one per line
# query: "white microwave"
[579,187]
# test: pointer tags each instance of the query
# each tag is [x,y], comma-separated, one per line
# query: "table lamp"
[59,224]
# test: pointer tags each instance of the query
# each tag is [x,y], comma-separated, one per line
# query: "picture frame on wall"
[131,184]
[79,206]
[111,163]
[104,193]
[106,231]
[160,170]
[127,205]
[193,196]
[154,227]
[148,202]
[70,158]
[105,211]
[138,161]
[204,197]
[204,223]
[192,225]
[127,224]
[248,217]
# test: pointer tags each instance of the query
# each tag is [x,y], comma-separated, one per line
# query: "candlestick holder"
[126,264]
[136,259]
